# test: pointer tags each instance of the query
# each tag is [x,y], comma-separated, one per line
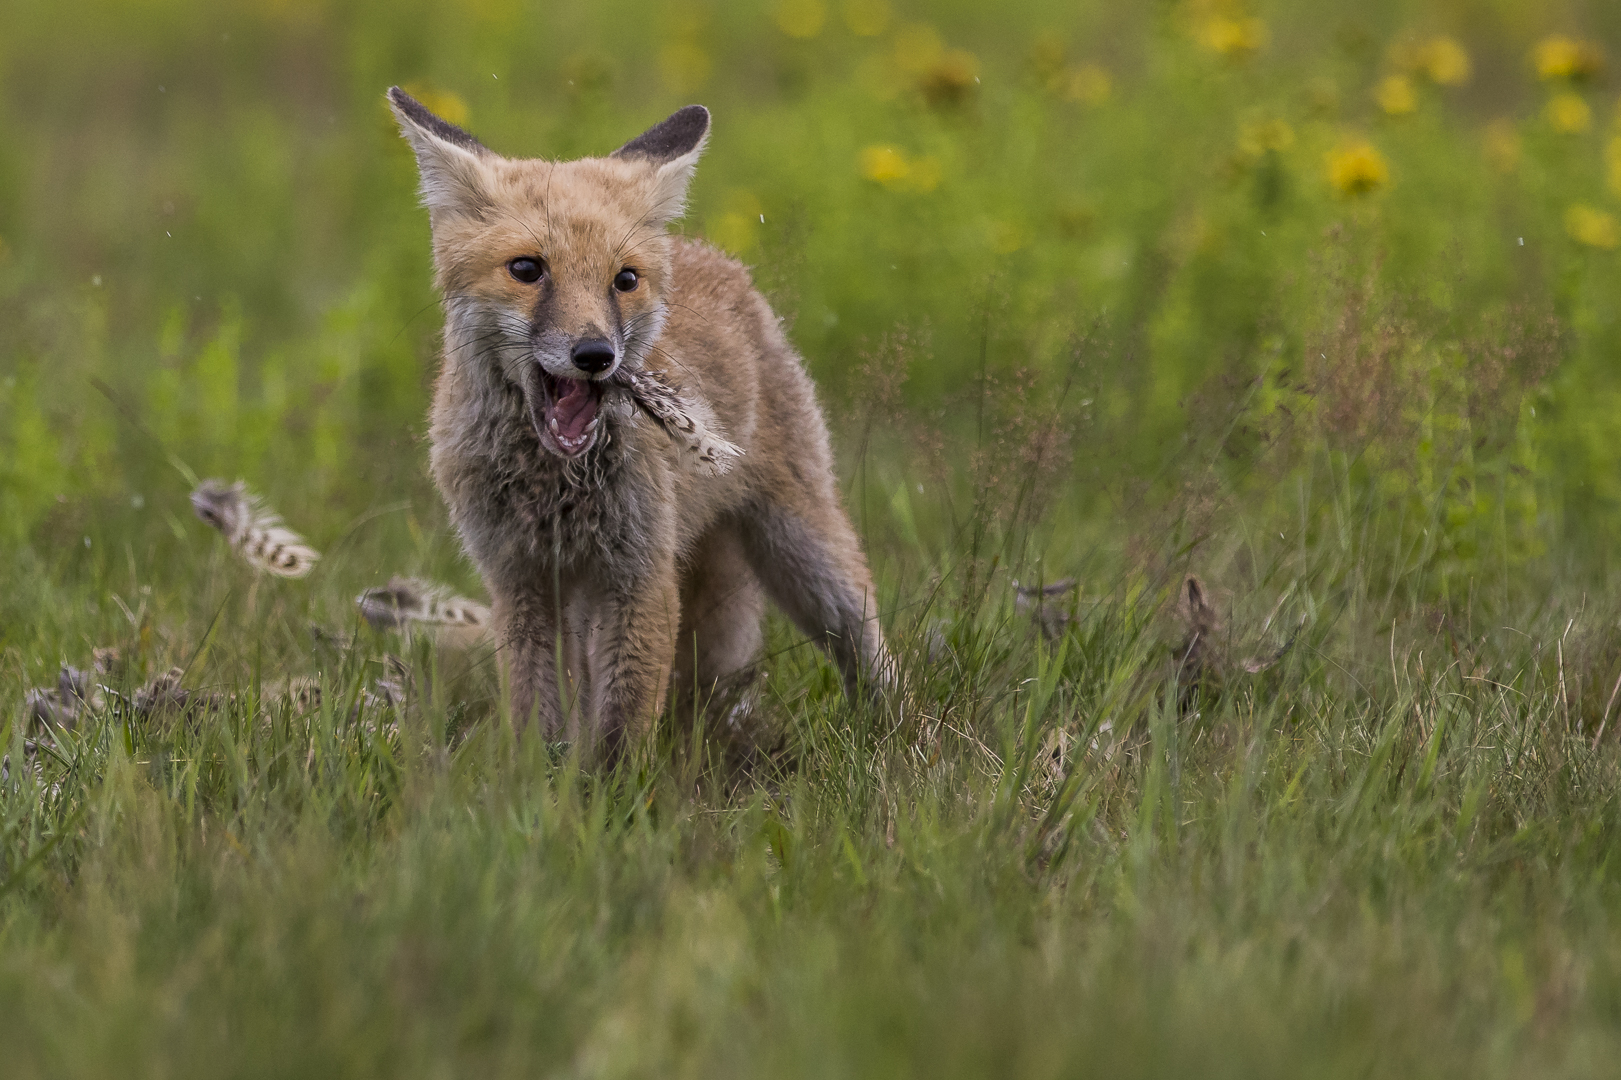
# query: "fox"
[625,571]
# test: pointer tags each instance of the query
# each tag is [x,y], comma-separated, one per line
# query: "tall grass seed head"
[1357,168]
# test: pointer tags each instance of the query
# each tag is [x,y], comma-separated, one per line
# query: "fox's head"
[555,274]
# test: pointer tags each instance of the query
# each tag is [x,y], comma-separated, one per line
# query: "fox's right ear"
[448,158]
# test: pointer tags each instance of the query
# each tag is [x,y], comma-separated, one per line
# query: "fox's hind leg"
[808,558]
[722,605]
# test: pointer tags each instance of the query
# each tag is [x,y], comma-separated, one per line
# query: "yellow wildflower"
[1503,145]
[885,165]
[1592,227]
[801,18]
[1395,95]
[1259,137]
[1088,84]
[1560,57]
[866,18]
[1444,61]
[1612,164]
[1357,168]
[894,170]
[1233,35]
[1568,113]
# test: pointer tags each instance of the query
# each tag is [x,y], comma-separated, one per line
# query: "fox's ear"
[672,147]
[448,158]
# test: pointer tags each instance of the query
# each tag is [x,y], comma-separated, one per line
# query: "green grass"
[1388,854]
[1109,338]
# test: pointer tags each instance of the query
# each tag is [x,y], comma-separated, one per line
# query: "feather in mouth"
[566,416]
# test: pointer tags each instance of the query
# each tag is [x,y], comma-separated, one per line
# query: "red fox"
[581,339]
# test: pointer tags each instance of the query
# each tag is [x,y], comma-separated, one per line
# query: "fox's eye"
[625,280]
[526,270]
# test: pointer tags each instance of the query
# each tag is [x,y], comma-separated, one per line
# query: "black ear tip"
[413,113]
[679,133]
[693,117]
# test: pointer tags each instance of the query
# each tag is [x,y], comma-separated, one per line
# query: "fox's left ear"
[672,147]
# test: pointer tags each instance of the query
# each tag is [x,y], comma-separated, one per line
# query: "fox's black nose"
[593,355]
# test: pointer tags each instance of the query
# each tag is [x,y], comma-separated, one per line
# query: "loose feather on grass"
[406,601]
[686,420]
[253,529]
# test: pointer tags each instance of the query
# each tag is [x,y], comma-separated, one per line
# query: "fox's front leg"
[633,654]
[527,627]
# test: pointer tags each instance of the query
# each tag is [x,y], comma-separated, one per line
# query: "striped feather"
[253,529]
[685,419]
[406,602]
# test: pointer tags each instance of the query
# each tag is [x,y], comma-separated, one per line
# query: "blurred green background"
[1188,262]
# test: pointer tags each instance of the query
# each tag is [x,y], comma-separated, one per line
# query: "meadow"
[1315,305]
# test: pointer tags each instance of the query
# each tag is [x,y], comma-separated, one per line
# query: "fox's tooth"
[552,424]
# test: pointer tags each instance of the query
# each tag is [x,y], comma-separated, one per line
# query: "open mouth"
[567,413]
